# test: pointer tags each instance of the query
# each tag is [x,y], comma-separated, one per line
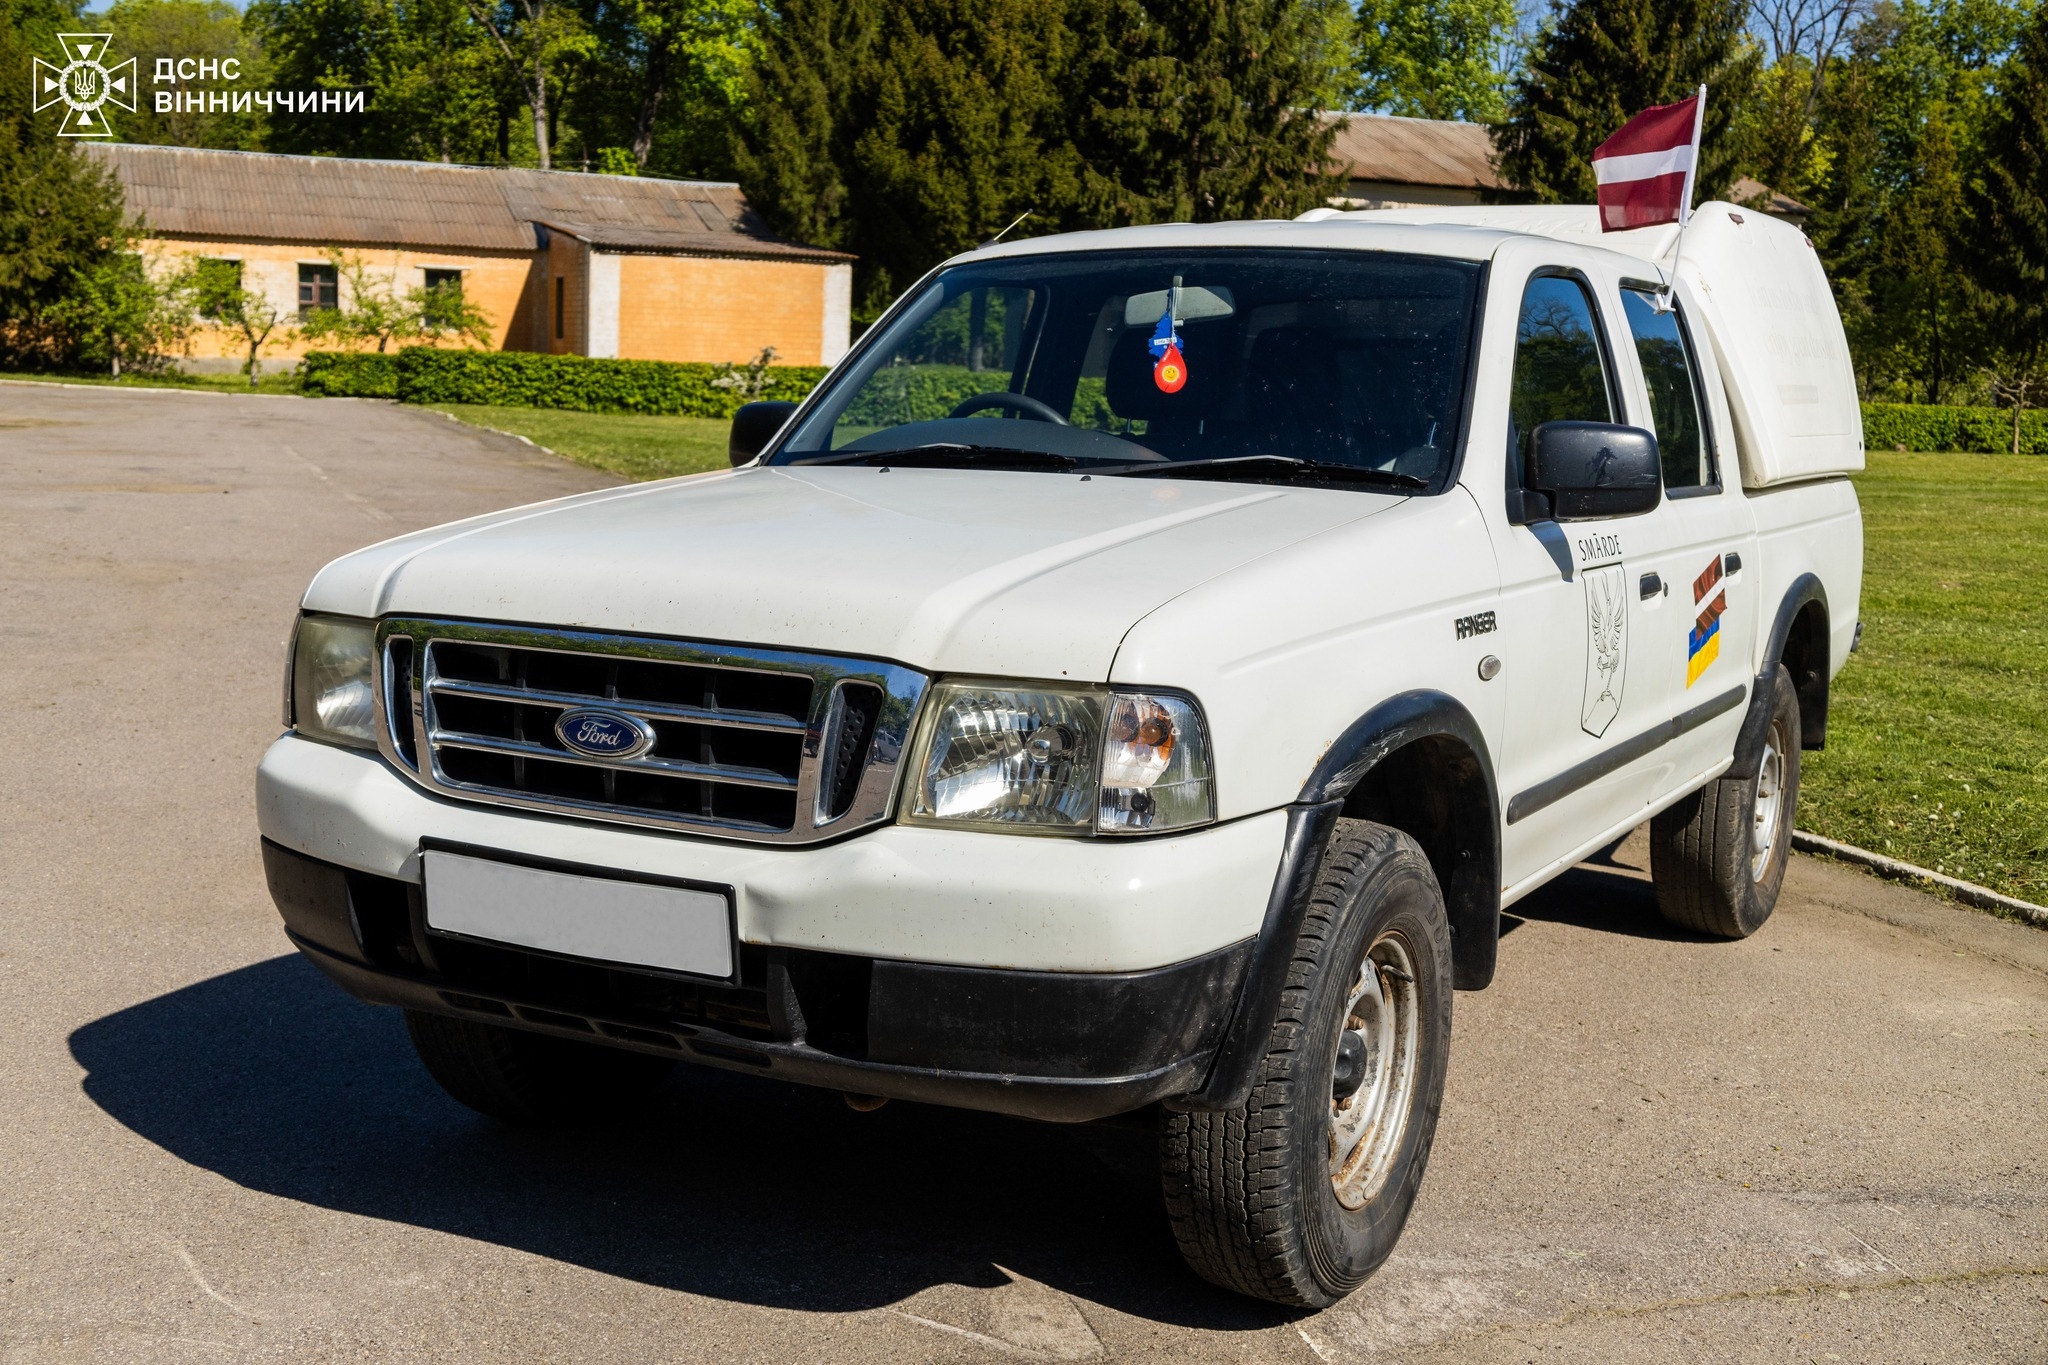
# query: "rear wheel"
[1300,1194]
[1718,857]
[530,1079]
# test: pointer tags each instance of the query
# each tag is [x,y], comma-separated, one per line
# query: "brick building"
[560,262]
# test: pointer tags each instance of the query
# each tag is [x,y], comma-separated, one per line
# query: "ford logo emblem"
[603,734]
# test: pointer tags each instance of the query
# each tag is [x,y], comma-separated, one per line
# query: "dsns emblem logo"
[83,84]
[603,734]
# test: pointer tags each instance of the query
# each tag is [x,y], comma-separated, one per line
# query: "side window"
[444,285]
[1560,369]
[1672,375]
[319,287]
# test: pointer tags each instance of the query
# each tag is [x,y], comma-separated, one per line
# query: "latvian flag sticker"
[1645,171]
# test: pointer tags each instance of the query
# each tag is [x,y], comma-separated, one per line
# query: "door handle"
[1650,586]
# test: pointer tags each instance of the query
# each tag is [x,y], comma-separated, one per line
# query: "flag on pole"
[1645,171]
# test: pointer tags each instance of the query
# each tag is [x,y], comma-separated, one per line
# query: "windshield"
[1263,359]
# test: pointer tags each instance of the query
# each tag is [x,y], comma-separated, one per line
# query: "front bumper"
[909,893]
[1063,979]
[1058,1046]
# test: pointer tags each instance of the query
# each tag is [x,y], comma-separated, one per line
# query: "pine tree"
[1599,63]
[2005,225]
[964,130]
[805,105]
[61,215]
[1203,110]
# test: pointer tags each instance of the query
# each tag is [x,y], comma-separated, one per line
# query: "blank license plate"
[632,923]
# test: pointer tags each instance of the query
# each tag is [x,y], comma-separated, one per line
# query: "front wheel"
[1300,1194]
[1718,857]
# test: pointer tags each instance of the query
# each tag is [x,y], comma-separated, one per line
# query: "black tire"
[1250,1192]
[531,1079]
[1710,873]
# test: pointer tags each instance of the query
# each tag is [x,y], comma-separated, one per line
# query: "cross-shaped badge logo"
[84,83]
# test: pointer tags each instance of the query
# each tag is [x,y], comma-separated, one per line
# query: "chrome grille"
[748,743]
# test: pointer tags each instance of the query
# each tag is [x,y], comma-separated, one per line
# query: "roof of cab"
[1461,232]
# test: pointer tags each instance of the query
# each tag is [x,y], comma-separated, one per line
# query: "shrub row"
[518,379]
[349,374]
[1917,426]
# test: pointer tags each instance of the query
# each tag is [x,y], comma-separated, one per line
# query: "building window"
[441,284]
[558,307]
[216,282]
[319,287]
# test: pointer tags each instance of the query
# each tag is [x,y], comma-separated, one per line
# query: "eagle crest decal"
[1606,647]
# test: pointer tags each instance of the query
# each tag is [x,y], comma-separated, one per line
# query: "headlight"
[1058,761]
[332,699]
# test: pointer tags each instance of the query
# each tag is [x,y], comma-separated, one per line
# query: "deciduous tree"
[149,30]
[1440,59]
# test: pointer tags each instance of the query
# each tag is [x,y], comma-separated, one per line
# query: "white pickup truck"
[1134,682]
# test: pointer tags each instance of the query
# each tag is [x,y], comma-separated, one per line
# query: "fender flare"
[1756,722]
[1472,899]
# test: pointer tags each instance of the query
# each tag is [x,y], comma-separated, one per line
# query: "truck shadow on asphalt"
[732,1187]
[1609,893]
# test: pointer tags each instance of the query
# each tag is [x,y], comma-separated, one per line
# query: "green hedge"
[518,379]
[349,374]
[919,393]
[1917,426]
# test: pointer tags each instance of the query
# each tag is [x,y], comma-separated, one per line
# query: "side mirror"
[753,426]
[1594,469]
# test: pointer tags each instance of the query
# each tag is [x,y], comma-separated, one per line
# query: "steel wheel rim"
[1383,1010]
[1770,793]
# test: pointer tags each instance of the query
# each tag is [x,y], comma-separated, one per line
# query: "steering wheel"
[1018,403]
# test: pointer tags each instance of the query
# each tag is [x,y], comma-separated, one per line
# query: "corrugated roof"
[1415,151]
[258,196]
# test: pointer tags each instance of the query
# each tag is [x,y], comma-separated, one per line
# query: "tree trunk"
[650,100]
[539,90]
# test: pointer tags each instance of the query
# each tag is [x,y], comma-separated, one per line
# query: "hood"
[964,571]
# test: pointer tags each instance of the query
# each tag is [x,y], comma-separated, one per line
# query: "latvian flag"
[1645,170]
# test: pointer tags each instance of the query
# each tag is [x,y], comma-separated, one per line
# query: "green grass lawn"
[1938,731]
[630,446]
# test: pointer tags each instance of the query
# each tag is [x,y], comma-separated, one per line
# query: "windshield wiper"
[1275,466]
[941,453]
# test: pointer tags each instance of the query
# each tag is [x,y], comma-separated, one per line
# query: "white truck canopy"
[1757,285]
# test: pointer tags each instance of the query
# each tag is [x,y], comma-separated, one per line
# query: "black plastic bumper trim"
[1054,1099]
[1058,1046]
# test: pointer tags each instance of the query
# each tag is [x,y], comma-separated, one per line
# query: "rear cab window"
[1677,399]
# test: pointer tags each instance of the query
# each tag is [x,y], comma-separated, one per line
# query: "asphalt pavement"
[1823,1143]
